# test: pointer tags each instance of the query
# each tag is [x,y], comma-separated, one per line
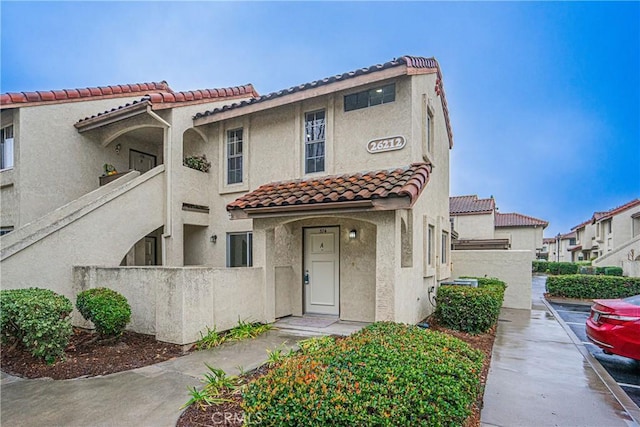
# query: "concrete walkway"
[149,396]
[539,377]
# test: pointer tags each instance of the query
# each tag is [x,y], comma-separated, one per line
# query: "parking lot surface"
[626,372]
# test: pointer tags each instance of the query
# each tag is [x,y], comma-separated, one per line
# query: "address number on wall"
[386,144]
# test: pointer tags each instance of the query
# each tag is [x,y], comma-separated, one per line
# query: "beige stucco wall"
[479,226]
[522,238]
[623,256]
[512,267]
[177,304]
[100,230]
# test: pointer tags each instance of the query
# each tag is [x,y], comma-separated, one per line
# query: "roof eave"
[301,95]
[112,116]
[386,204]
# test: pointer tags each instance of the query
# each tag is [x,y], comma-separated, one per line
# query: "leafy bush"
[592,287]
[385,375]
[469,309]
[38,319]
[107,309]
[553,267]
[613,271]
[198,163]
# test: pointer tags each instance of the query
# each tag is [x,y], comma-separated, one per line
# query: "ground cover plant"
[243,330]
[229,412]
[469,309]
[592,287]
[37,320]
[386,374]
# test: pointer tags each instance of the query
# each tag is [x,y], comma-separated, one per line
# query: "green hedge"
[107,309]
[385,375]
[38,319]
[592,287]
[582,267]
[468,309]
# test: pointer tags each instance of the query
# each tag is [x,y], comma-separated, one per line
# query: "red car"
[614,326]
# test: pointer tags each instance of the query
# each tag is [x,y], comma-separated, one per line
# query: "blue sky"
[544,97]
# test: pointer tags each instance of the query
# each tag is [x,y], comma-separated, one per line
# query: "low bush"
[38,319]
[592,287]
[469,309]
[552,267]
[385,375]
[107,309]
[613,271]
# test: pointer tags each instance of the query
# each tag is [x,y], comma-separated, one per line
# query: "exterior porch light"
[353,234]
[214,238]
[118,148]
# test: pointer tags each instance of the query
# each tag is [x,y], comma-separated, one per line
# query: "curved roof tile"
[407,181]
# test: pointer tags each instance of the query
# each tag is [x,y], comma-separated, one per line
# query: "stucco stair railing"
[98,228]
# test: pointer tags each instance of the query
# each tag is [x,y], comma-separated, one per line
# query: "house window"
[430,244]
[234,156]
[240,249]
[572,241]
[314,137]
[429,130]
[6,149]
[367,98]
[445,246]
[608,227]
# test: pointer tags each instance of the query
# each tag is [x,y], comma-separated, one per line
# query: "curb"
[627,404]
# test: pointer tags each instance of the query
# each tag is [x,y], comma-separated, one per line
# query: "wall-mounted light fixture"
[118,148]
[214,238]
[353,234]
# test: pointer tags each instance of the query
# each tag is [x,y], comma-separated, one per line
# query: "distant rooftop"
[462,205]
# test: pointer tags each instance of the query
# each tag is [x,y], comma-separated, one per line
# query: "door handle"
[306,277]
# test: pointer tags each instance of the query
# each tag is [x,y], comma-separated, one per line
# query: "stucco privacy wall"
[177,304]
[512,267]
[102,229]
[620,258]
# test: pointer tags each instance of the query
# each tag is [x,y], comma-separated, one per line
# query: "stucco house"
[325,198]
[561,247]
[479,225]
[610,238]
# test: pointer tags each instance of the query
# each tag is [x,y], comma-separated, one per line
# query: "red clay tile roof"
[461,205]
[411,62]
[405,182]
[608,214]
[518,220]
[582,224]
[162,100]
[23,99]
[549,240]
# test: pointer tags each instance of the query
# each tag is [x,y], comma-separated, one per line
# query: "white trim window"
[429,129]
[371,97]
[314,141]
[240,249]
[445,247]
[234,156]
[431,233]
[6,147]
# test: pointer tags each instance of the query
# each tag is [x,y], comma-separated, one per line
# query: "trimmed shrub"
[593,287]
[552,267]
[38,319]
[107,309]
[540,266]
[613,271]
[468,309]
[385,375]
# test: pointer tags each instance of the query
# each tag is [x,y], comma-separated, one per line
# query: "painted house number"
[386,144]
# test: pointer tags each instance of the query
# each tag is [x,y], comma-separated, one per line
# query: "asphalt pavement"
[625,372]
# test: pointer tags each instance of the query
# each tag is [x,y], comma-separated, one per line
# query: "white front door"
[141,162]
[321,276]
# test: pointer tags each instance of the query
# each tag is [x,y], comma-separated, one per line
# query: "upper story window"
[367,98]
[234,156]
[314,138]
[6,147]
[428,131]
[445,247]
[431,232]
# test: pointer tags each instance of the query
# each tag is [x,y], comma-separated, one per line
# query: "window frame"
[444,247]
[7,146]
[249,249]
[229,143]
[312,141]
[359,97]
[431,234]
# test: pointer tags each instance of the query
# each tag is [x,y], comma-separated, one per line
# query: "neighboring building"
[330,196]
[559,248]
[479,225]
